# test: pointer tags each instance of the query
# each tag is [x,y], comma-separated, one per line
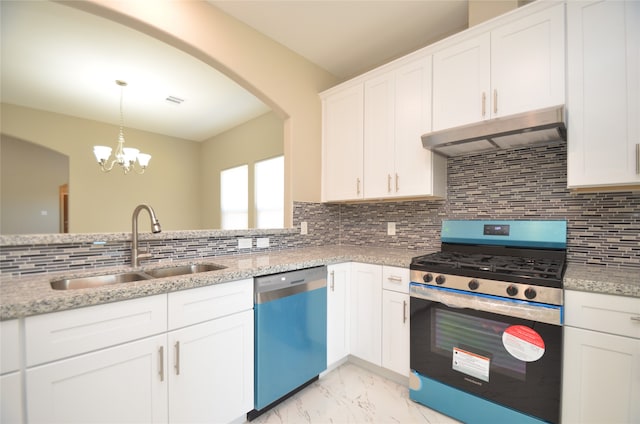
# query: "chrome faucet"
[155,228]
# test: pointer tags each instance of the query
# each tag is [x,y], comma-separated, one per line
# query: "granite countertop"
[604,280]
[32,295]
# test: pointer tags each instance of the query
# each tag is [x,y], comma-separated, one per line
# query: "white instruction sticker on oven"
[523,343]
[471,363]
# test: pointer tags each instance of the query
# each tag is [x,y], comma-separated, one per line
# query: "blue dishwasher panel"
[290,345]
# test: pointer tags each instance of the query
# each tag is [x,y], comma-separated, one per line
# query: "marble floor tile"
[352,395]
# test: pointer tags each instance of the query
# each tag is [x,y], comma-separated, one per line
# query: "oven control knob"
[530,293]
[440,279]
[427,278]
[474,284]
[512,290]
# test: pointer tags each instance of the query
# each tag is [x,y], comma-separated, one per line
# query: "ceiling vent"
[174,100]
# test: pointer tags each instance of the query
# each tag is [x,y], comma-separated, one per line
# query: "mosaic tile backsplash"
[524,183]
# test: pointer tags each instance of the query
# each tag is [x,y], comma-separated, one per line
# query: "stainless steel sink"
[97,281]
[174,271]
[128,277]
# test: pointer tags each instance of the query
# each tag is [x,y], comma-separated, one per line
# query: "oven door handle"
[550,314]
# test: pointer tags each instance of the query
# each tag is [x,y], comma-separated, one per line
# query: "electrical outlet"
[303,227]
[244,243]
[391,228]
[262,242]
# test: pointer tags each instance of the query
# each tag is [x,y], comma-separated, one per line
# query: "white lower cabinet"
[10,378]
[210,370]
[601,360]
[118,363]
[366,312]
[338,305]
[116,385]
[395,319]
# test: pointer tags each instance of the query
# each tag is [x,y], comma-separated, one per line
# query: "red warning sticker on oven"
[523,343]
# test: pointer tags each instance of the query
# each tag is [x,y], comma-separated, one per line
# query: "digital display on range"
[496,230]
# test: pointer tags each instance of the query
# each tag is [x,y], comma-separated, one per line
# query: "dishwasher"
[290,334]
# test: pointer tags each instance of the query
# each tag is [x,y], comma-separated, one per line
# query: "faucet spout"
[136,255]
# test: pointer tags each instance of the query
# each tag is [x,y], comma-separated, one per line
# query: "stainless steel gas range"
[486,321]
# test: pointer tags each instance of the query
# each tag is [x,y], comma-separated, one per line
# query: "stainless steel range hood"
[542,125]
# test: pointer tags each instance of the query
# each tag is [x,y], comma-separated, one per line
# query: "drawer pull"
[394,279]
[636,319]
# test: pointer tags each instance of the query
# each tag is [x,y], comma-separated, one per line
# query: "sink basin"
[128,277]
[182,270]
[97,281]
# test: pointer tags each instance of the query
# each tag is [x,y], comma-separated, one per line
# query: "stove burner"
[495,265]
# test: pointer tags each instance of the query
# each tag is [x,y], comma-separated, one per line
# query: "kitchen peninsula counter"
[33,295]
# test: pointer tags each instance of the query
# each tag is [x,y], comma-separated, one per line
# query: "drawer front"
[193,306]
[62,334]
[600,312]
[9,346]
[396,279]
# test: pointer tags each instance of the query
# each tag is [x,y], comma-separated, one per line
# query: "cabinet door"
[414,165]
[338,312]
[210,368]
[395,331]
[603,52]
[366,312]
[9,346]
[601,378]
[11,398]
[379,136]
[461,83]
[116,385]
[342,140]
[527,63]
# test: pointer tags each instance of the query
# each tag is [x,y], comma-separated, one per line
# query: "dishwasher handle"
[277,286]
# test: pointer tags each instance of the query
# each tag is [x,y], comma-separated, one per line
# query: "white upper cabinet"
[397,111]
[515,67]
[527,63]
[461,83]
[342,144]
[371,136]
[603,90]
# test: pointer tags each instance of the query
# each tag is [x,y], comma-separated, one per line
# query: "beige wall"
[483,10]
[182,183]
[256,140]
[104,202]
[285,81]
[31,177]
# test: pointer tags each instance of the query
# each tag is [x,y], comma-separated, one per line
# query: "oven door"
[512,361]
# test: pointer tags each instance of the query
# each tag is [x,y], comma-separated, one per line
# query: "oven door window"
[465,348]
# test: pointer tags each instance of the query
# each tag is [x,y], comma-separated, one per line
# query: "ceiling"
[61,59]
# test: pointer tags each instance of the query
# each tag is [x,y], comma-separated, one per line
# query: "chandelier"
[126,157]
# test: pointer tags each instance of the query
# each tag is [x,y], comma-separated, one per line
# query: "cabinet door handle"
[638,158]
[495,101]
[388,183]
[404,311]
[636,319]
[333,280]
[177,364]
[358,186]
[397,183]
[484,104]
[161,360]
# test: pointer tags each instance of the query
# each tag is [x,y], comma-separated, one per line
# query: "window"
[269,193]
[234,198]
